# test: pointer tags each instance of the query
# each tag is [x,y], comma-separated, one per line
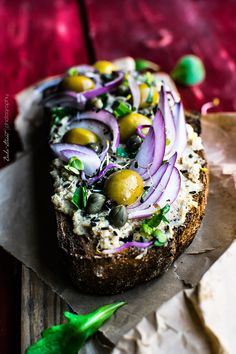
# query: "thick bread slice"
[104,274]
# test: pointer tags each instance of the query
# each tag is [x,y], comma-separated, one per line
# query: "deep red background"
[41,38]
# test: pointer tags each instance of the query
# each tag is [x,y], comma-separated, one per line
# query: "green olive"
[129,123]
[124,187]
[118,216]
[78,83]
[105,67]
[133,143]
[148,96]
[80,136]
[95,203]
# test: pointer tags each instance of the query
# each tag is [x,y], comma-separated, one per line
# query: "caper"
[133,143]
[118,216]
[95,203]
[95,147]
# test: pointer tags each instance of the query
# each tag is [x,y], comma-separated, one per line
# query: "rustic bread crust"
[103,274]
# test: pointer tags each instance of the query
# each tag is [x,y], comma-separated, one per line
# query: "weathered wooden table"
[41,38]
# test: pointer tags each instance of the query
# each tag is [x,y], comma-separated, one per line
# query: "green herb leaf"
[189,70]
[148,79]
[150,95]
[120,151]
[155,220]
[146,228]
[60,112]
[72,72]
[70,337]
[160,236]
[142,64]
[165,209]
[121,108]
[146,189]
[167,141]
[158,244]
[75,165]
[79,198]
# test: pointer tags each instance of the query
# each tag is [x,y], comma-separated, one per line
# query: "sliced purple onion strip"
[172,189]
[139,130]
[169,121]
[127,245]
[104,89]
[152,150]
[181,133]
[89,158]
[106,118]
[102,173]
[154,195]
[97,128]
[144,157]
[134,91]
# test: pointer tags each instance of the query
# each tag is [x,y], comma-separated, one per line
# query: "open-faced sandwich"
[129,175]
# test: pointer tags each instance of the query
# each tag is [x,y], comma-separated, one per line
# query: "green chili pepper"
[70,337]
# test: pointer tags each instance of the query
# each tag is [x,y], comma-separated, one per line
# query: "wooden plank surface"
[41,38]
[40,308]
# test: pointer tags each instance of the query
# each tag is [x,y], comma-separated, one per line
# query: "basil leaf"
[79,198]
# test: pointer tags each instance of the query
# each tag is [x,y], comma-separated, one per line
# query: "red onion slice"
[134,91]
[66,98]
[181,133]
[127,245]
[172,189]
[98,129]
[169,121]
[89,158]
[154,195]
[106,118]
[150,155]
[102,173]
[104,89]
[139,130]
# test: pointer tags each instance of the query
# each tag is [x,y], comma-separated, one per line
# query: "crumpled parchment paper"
[27,225]
[200,320]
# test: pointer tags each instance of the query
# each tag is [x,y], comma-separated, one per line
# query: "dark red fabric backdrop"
[41,38]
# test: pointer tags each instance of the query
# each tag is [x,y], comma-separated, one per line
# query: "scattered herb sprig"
[74,165]
[79,198]
[149,226]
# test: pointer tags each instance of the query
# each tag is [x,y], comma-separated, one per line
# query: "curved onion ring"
[150,155]
[134,91]
[148,206]
[140,128]
[172,189]
[169,121]
[89,158]
[127,245]
[106,118]
[102,173]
